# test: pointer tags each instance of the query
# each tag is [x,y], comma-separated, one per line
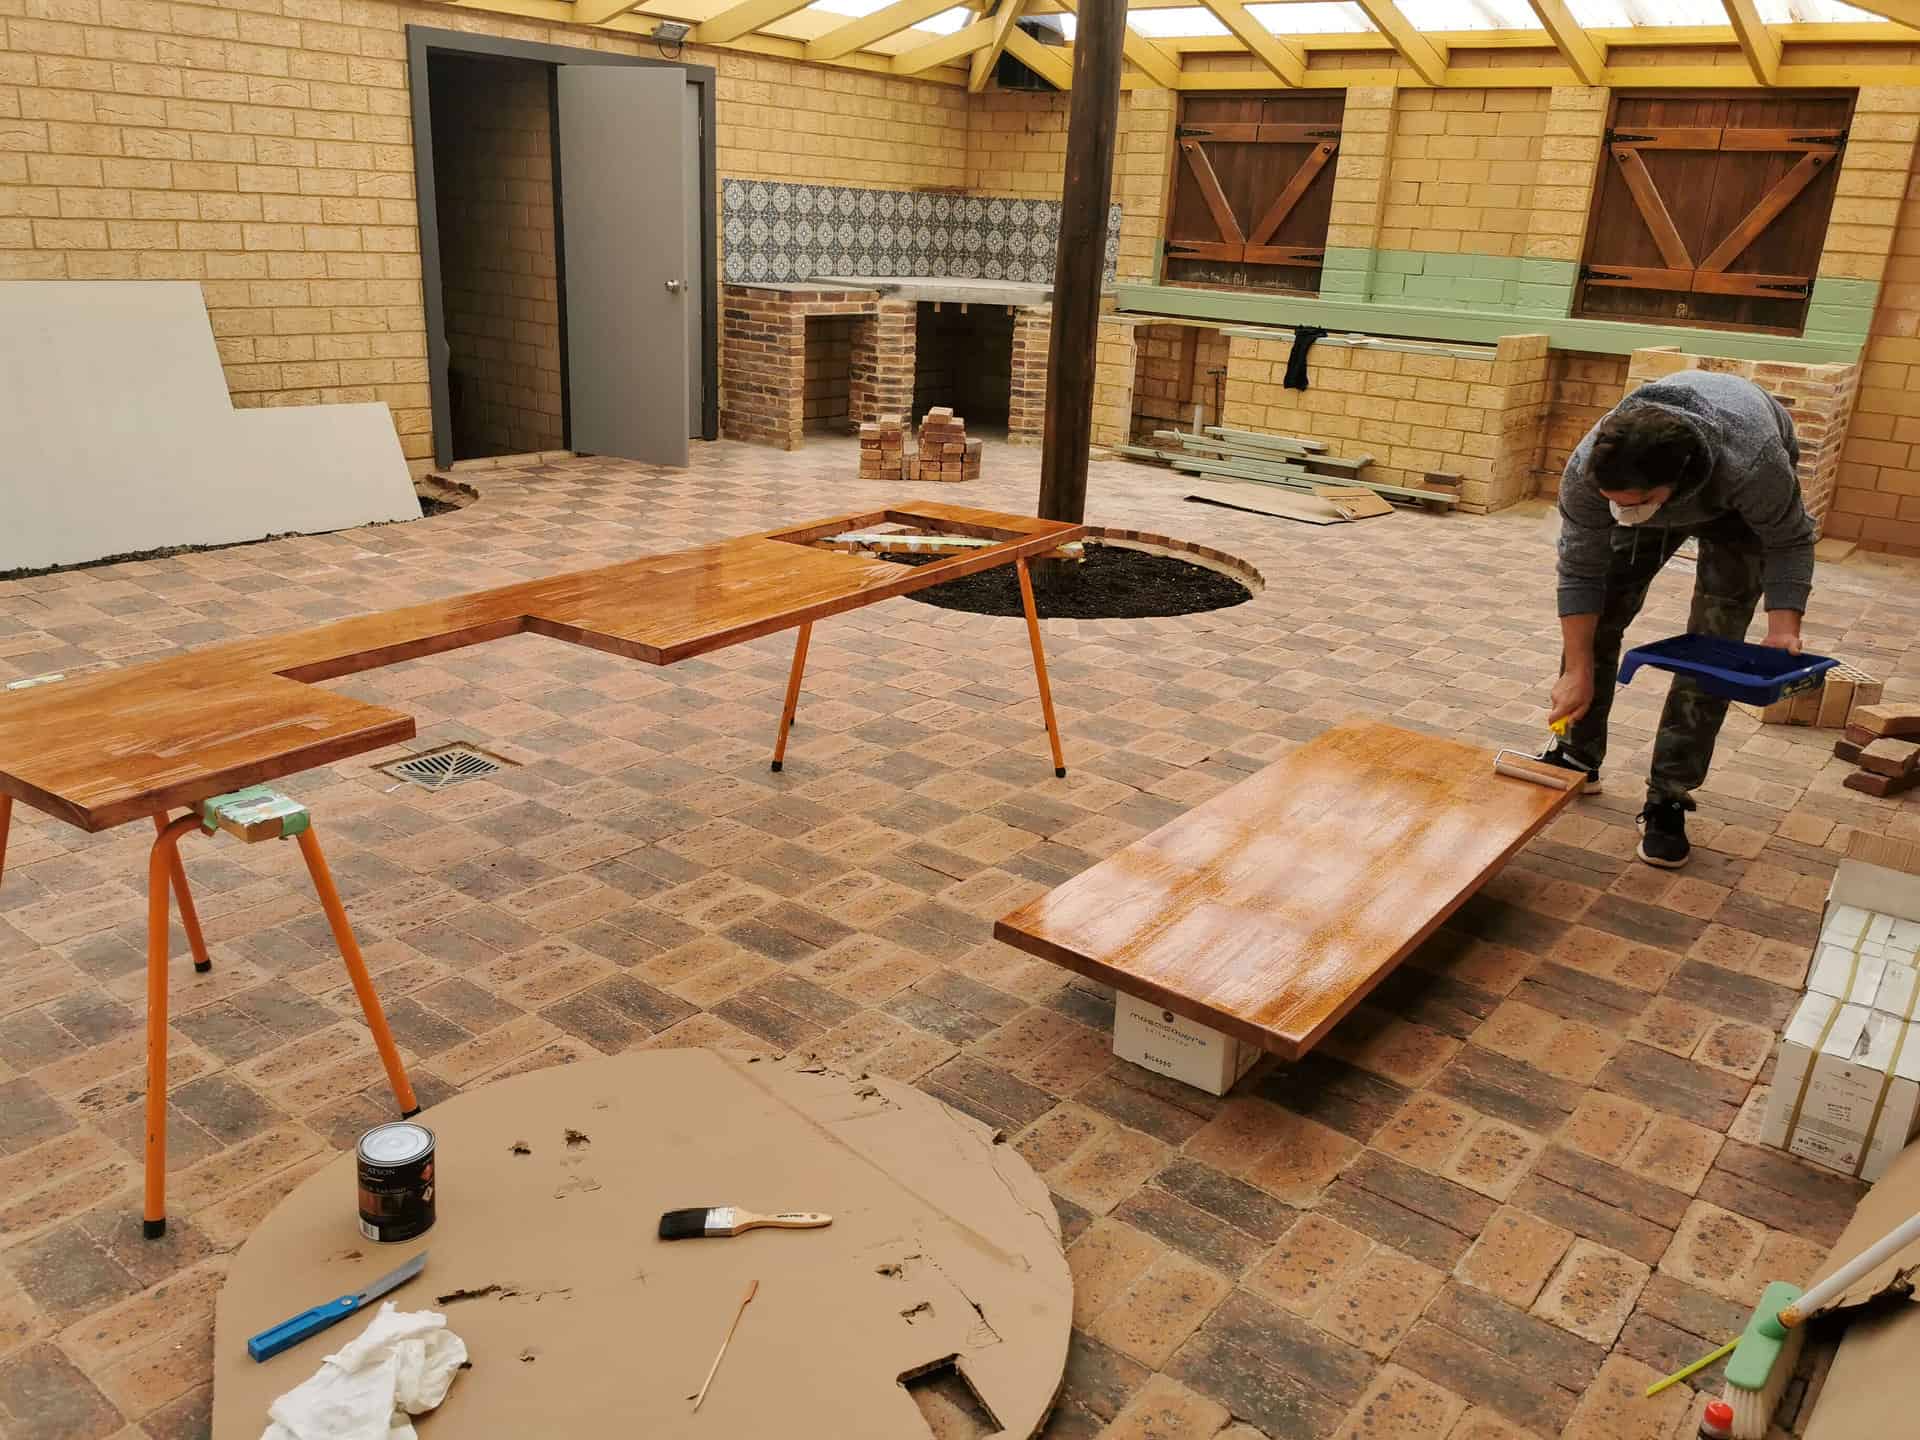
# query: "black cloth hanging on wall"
[1303,338]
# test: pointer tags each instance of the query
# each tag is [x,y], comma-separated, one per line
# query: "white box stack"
[1846,1090]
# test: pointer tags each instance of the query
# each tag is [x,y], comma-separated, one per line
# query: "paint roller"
[1519,765]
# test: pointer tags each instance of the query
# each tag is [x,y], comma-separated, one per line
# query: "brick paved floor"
[1505,1194]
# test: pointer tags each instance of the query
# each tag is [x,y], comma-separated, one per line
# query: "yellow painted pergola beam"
[1575,45]
[1429,62]
[1906,12]
[945,50]
[1052,63]
[743,19]
[593,12]
[1288,65]
[1757,43]
[1145,56]
[987,56]
[869,29]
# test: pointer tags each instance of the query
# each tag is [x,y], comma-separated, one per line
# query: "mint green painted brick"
[1549,272]
[1482,292]
[1400,262]
[1393,286]
[1839,290]
[1347,257]
[1450,264]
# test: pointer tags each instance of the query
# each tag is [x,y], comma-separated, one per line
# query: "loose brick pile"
[883,449]
[1882,741]
[944,452]
[1831,706]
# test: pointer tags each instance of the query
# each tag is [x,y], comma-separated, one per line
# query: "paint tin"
[396,1181]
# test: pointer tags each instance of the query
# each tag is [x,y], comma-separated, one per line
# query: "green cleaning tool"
[1765,1354]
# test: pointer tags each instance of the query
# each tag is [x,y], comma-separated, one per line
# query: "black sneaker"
[1560,760]
[1663,833]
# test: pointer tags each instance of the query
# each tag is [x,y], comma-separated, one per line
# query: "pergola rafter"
[891,41]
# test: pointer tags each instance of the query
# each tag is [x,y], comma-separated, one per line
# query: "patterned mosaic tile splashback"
[776,230]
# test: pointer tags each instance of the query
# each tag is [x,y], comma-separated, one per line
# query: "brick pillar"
[763,365]
[1820,398]
[882,365]
[1520,374]
[1570,158]
[1143,150]
[1027,398]
[1359,193]
[1114,361]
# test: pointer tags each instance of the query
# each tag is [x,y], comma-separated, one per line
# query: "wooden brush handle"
[785,1220]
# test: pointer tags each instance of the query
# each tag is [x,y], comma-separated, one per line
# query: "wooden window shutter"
[1253,190]
[1711,210]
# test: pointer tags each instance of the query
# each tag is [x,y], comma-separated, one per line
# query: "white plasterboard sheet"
[119,435]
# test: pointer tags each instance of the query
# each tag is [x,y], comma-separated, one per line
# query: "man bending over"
[1699,455]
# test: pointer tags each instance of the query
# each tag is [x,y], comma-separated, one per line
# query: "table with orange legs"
[140,743]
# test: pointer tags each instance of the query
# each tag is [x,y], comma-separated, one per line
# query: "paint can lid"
[396,1143]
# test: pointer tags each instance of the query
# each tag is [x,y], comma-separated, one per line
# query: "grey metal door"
[624,208]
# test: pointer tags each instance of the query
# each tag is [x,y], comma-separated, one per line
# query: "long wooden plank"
[980,68]
[1291,192]
[1308,257]
[1782,194]
[1646,195]
[1743,282]
[1667,137]
[1260,132]
[1210,191]
[1816,137]
[1759,44]
[1260,437]
[858,34]
[122,744]
[1638,277]
[1296,479]
[1208,444]
[1587,59]
[1273,909]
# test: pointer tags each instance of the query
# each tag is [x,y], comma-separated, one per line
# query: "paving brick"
[1164,1409]
[1593,1292]
[1401,1403]
[1234,1201]
[1189,1229]
[1378,1300]
[1507,1090]
[1709,1098]
[1157,1312]
[1514,1256]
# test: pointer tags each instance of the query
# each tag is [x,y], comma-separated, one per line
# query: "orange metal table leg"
[1040,667]
[6,824]
[161,863]
[793,694]
[357,972]
[189,917]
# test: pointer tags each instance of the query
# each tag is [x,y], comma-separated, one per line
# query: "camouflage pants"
[1726,590]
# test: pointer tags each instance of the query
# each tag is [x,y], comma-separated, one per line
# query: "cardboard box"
[1873,1380]
[1171,1044]
[1846,1090]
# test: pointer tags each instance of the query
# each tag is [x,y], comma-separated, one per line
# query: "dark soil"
[1112,583]
[429,507]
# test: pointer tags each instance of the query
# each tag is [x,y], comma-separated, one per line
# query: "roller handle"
[288,1333]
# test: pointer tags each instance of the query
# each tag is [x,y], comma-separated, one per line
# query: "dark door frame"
[424,42]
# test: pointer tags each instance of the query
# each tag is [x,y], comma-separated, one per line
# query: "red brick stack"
[883,447]
[944,452]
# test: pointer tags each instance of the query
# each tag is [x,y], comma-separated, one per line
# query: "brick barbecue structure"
[778,339]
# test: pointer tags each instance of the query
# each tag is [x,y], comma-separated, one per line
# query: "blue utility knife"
[288,1333]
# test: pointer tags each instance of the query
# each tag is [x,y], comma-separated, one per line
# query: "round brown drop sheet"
[581,1321]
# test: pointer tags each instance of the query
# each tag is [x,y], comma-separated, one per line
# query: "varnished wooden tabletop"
[1271,910]
[105,749]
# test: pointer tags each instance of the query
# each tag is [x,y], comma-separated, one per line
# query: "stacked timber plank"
[1285,460]
[1884,742]
[944,452]
[1829,707]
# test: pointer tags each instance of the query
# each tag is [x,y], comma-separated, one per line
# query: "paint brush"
[699,1397]
[707,1222]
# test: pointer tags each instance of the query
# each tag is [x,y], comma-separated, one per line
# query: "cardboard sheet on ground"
[944,1244]
[1327,505]
[120,436]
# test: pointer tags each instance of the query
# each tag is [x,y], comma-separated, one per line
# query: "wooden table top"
[1270,911]
[108,748]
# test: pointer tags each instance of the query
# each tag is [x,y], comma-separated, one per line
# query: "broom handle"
[1850,1273]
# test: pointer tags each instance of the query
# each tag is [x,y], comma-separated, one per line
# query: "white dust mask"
[1635,514]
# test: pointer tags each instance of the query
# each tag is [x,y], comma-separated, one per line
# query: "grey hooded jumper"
[1749,436]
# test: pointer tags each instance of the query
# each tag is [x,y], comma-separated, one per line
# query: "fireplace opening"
[963,358]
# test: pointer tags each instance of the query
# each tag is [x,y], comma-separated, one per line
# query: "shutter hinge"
[1797,288]
[1589,272]
[1624,137]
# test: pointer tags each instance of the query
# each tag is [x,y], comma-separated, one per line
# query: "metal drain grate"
[449,765]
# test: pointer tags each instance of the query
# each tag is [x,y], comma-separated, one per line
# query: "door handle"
[676,286]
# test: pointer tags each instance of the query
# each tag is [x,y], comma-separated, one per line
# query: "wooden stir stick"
[753,1288]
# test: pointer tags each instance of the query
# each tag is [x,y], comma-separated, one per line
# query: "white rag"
[401,1366]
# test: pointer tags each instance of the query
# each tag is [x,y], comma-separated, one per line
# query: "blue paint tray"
[1731,669]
